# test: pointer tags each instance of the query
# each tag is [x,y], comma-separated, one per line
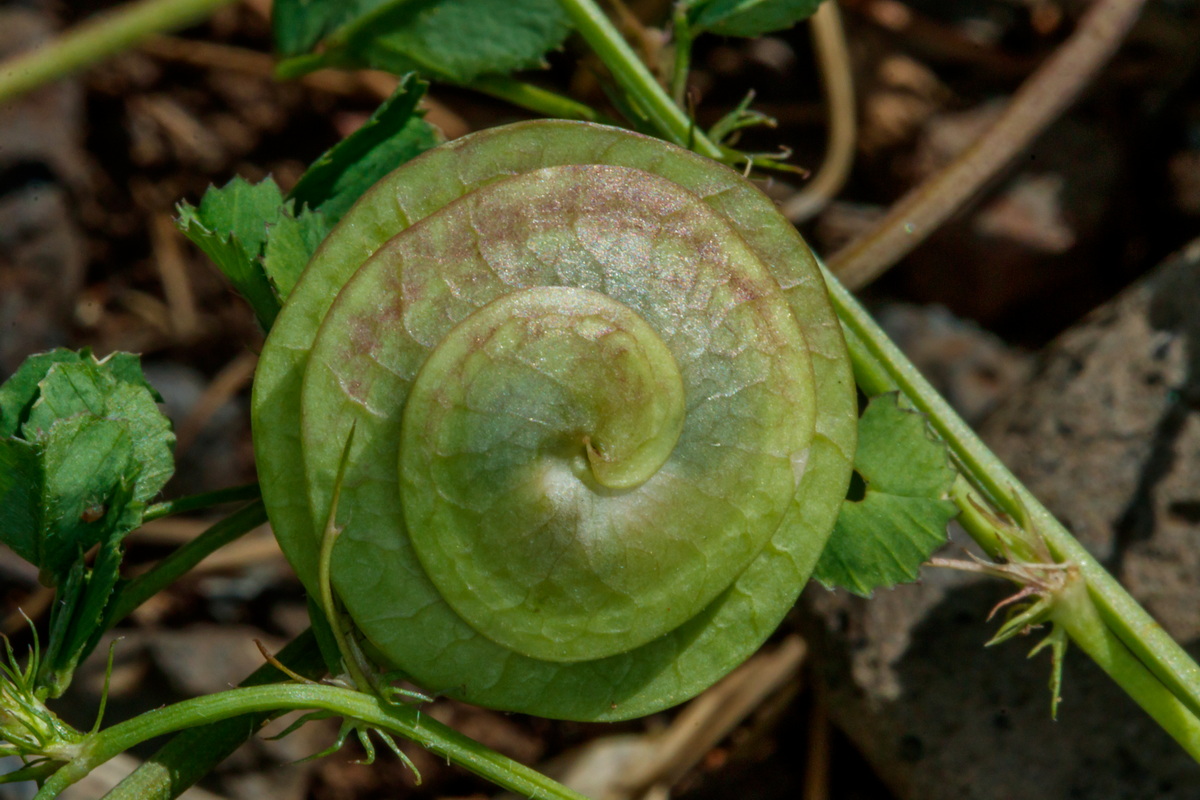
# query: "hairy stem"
[174,566]
[98,38]
[402,720]
[633,76]
[1038,102]
[194,753]
[880,366]
[1075,610]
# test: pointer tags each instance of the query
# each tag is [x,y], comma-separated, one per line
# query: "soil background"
[91,169]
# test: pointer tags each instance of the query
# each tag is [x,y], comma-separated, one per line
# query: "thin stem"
[174,566]
[104,35]
[681,31]
[634,77]
[194,753]
[325,579]
[1075,611]
[878,361]
[535,98]
[833,56]
[198,502]
[402,720]
[1039,101]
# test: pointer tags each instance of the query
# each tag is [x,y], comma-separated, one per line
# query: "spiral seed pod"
[603,419]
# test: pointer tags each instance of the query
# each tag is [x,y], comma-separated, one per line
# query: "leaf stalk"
[634,77]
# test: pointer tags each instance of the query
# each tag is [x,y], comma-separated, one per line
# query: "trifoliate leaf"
[450,40]
[883,537]
[79,430]
[395,133]
[230,226]
[748,18]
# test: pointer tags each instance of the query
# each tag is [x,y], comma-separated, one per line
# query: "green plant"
[605,431]
[521,310]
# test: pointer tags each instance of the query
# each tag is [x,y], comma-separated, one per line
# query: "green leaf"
[127,368]
[84,461]
[254,234]
[292,241]
[450,40]
[89,388]
[87,623]
[299,24]
[78,430]
[83,594]
[86,447]
[18,393]
[394,134]
[883,538]
[748,18]
[21,482]
[231,227]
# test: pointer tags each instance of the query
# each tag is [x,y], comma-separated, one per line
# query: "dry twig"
[829,41]
[1039,101]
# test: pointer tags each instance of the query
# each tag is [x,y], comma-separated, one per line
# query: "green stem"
[1076,612]
[198,502]
[881,365]
[174,566]
[535,98]
[682,33]
[105,35]
[402,720]
[633,76]
[194,753]
[975,521]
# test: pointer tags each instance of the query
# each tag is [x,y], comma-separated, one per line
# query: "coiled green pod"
[603,419]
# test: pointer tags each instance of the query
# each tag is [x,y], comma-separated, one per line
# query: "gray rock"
[1108,435]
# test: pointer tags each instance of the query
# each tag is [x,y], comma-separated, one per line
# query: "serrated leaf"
[88,387]
[395,133]
[79,429]
[748,18]
[292,241]
[450,40]
[255,235]
[883,538]
[231,227]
